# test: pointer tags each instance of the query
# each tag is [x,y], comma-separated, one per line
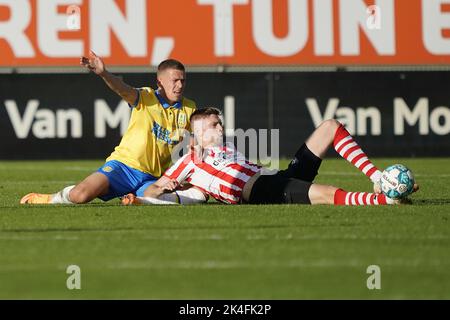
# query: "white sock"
[188,196]
[191,196]
[63,196]
[150,200]
[376,176]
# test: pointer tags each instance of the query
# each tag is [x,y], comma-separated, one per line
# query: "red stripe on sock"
[356,159]
[340,134]
[339,197]
[364,202]
[349,151]
[342,146]
[371,172]
[381,199]
[363,165]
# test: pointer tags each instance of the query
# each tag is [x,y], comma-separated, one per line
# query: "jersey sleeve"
[145,96]
[181,170]
[138,99]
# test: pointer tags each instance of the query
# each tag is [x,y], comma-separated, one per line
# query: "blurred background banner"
[380,67]
[46,116]
[232,32]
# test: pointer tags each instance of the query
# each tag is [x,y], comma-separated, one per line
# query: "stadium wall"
[76,116]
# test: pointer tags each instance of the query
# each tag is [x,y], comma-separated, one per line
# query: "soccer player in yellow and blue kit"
[157,120]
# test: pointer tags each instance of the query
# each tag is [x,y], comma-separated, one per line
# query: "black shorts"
[290,185]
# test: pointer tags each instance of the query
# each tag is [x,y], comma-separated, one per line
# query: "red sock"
[352,152]
[342,197]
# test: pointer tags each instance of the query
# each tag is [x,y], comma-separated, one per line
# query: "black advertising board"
[76,116]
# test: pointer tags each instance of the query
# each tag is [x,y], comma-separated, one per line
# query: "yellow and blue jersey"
[153,131]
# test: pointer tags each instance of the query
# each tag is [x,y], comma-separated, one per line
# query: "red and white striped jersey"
[221,172]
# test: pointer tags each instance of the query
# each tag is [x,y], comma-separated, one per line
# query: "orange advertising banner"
[226,32]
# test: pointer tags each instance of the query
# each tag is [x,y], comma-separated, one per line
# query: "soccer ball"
[397,181]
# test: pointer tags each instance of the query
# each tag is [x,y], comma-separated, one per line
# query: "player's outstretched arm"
[163,192]
[162,185]
[95,64]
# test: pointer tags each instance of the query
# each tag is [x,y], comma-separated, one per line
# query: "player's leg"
[308,158]
[332,132]
[322,138]
[112,180]
[323,194]
[123,179]
[93,186]
[348,148]
[187,195]
[278,189]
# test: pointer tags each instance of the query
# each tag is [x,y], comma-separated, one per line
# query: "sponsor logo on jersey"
[107,169]
[163,134]
[182,120]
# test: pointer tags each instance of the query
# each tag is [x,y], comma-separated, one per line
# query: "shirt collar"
[165,104]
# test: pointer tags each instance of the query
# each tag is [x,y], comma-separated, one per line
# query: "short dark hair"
[205,112]
[170,64]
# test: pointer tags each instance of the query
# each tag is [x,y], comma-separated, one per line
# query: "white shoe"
[398,201]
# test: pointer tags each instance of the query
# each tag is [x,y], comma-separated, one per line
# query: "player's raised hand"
[93,62]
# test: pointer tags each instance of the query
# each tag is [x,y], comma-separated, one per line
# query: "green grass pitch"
[215,251]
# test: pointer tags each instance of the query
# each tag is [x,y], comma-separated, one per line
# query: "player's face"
[208,131]
[171,83]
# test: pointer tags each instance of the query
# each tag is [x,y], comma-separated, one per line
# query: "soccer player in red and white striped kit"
[222,172]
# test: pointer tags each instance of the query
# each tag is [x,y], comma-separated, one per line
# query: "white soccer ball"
[397,181]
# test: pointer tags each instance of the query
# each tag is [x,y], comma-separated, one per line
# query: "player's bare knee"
[330,125]
[79,195]
[322,194]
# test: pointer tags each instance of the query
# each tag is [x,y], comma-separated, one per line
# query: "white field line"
[323,173]
[90,168]
[37,182]
[298,263]
[243,264]
[292,237]
[337,173]
[47,168]
[216,237]
[93,168]
[35,238]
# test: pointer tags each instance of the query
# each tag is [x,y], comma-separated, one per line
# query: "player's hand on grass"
[93,62]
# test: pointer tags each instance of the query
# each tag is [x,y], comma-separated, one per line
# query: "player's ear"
[158,83]
[191,141]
